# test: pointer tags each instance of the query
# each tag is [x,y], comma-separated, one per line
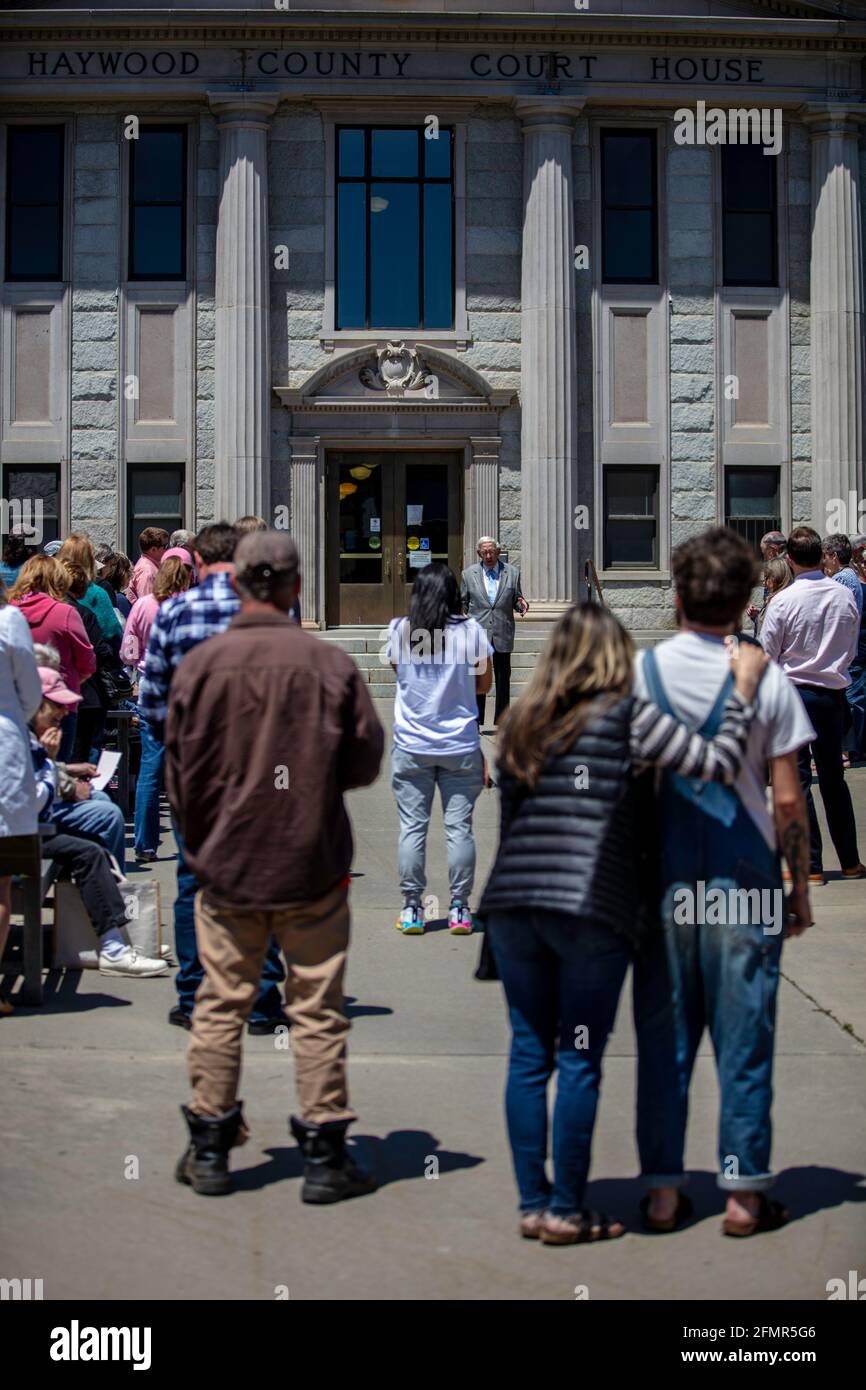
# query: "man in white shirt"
[811,630]
[718,969]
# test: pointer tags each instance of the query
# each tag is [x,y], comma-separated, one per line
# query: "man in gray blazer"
[491,595]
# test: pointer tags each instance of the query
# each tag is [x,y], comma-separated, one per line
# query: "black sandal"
[684,1212]
[771,1217]
[583,1228]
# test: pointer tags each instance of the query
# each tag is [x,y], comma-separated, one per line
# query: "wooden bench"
[32,876]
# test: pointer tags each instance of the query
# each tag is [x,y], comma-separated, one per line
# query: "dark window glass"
[394,154]
[157,204]
[749,221]
[631,518]
[351,270]
[394,246]
[32,492]
[437,155]
[437,247]
[752,502]
[351,146]
[395,229]
[34,203]
[155,499]
[629,207]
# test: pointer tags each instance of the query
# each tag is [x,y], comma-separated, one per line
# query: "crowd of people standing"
[625,781]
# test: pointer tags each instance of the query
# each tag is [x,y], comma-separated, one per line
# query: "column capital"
[486,445]
[833,117]
[244,110]
[547,114]
[304,448]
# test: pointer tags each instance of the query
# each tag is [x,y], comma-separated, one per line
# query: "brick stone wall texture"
[296,211]
[494,222]
[94,445]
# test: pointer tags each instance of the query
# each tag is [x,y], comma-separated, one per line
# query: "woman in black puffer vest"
[565,902]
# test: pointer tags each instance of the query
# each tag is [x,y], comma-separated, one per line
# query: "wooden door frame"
[461,448]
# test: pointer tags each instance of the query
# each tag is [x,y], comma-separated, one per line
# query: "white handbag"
[76,945]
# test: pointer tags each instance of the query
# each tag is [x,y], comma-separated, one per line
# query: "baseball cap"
[179,553]
[53,688]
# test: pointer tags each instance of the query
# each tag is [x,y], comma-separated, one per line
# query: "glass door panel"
[390,514]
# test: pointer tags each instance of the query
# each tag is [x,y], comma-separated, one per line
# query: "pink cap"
[53,688]
[180,553]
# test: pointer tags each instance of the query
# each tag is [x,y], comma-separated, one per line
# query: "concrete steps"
[366,645]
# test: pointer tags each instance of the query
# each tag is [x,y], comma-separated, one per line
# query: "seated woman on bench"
[86,863]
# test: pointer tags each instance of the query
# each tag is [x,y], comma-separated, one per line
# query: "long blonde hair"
[172,578]
[41,574]
[777,576]
[588,662]
[79,549]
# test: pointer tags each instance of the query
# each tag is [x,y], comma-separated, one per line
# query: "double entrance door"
[389,514]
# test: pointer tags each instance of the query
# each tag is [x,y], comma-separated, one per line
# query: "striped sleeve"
[659,740]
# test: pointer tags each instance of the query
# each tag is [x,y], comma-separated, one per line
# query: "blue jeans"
[562,977]
[190,973]
[147,789]
[414,778]
[700,973]
[723,977]
[99,819]
[856,697]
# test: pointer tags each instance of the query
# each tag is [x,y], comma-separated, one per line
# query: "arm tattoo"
[795,847]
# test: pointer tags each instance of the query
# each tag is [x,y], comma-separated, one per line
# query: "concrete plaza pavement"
[94,1079]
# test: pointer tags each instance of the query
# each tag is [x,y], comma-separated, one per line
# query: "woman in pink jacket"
[173,577]
[40,593]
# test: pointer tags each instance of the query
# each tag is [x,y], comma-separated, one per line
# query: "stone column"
[548,357]
[837,314]
[307,483]
[242,376]
[484,511]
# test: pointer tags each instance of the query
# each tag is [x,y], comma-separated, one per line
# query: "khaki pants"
[314,938]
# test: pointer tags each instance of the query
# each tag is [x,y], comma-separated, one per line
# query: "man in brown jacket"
[267,727]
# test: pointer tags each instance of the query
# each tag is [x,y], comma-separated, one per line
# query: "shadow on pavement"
[803,1190]
[60,995]
[353,1009]
[401,1155]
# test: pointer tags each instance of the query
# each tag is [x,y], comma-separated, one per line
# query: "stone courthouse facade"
[396,275]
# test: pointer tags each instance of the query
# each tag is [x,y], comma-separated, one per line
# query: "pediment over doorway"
[391,374]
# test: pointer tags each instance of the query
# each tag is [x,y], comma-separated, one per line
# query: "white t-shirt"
[692,667]
[436,710]
[811,628]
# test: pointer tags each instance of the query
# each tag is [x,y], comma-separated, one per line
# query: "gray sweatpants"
[414,778]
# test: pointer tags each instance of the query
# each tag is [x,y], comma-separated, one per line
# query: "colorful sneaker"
[411,921]
[459,919]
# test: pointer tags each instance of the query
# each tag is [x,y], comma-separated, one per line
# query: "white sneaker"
[129,962]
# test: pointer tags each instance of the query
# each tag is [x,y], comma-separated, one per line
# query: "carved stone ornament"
[399,369]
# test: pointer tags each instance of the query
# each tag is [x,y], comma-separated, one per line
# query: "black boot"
[205,1164]
[330,1173]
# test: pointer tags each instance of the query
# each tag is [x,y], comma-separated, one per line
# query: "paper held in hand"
[105,770]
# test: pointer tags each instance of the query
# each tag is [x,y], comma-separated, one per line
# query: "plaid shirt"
[180,625]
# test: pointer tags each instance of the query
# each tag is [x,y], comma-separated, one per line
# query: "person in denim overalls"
[722,976]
